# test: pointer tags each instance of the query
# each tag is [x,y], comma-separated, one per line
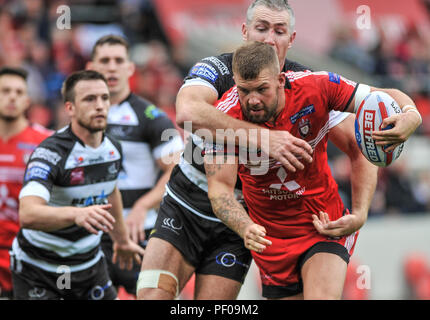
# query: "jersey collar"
[70,131]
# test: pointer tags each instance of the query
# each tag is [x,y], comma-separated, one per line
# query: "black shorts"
[210,246]
[121,277]
[32,283]
[276,292]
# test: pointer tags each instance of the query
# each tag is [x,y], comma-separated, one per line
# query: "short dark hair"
[69,84]
[110,39]
[14,71]
[253,57]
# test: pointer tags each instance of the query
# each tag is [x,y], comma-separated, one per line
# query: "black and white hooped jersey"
[65,172]
[146,134]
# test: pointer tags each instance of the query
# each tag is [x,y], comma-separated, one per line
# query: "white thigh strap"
[159,279]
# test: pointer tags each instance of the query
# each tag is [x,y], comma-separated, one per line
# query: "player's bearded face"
[91,105]
[260,112]
[259,97]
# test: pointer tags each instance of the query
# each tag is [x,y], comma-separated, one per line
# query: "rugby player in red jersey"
[288,212]
[18,138]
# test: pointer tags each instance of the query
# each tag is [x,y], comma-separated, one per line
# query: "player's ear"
[244,31]
[69,107]
[281,79]
[89,65]
[131,68]
[27,103]
[292,37]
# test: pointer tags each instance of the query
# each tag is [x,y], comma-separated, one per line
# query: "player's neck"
[9,129]
[118,97]
[92,139]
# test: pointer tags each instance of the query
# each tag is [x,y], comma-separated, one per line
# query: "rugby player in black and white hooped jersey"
[188,234]
[68,200]
[148,156]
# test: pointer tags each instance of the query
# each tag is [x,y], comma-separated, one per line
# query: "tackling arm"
[195,104]
[221,182]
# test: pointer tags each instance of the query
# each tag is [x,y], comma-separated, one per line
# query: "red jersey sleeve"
[338,90]
[229,103]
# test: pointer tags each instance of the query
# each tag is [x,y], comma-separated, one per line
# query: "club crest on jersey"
[77,176]
[304,127]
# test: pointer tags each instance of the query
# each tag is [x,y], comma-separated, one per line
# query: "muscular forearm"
[42,217]
[401,98]
[363,184]
[231,212]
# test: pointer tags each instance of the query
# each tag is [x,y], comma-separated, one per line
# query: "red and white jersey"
[14,155]
[283,202]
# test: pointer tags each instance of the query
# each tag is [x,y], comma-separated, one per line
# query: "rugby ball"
[371,113]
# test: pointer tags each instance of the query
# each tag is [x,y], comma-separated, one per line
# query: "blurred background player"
[18,139]
[68,200]
[148,155]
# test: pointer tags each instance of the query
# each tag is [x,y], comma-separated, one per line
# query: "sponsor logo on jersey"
[8,205]
[77,176]
[36,293]
[113,169]
[219,64]
[171,224]
[228,260]
[205,71]
[7,157]
[37,170]
[275,191]
[303,112]
[120,131]
[78,160]
[26,146]
[125,118]
[152,112]
[91,200]
[291,185]
[46,154]
[333,77]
